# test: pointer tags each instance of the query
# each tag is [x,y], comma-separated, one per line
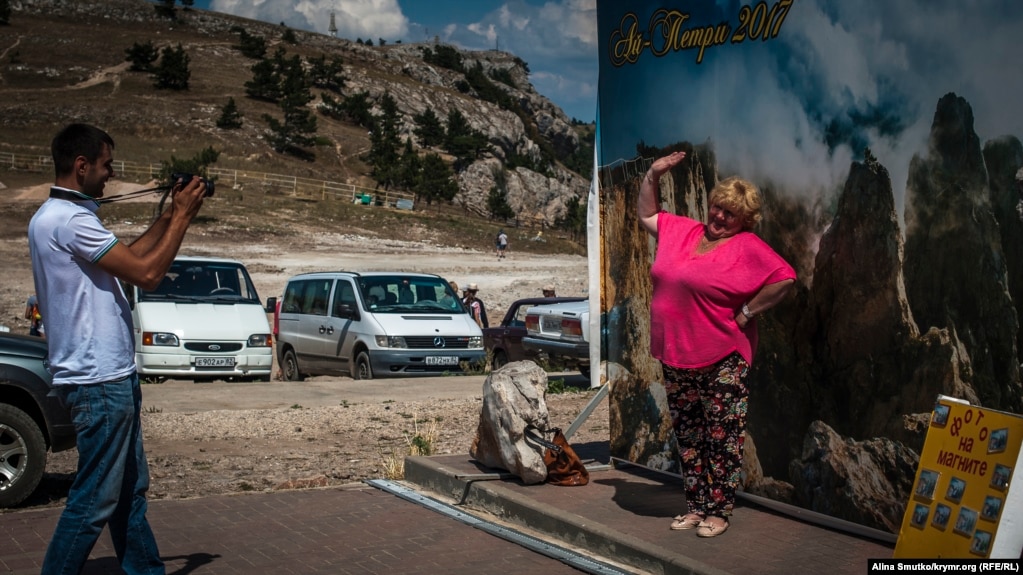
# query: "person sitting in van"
[405,294]
[450,299]
[376,296]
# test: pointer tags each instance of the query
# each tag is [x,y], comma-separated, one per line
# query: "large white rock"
[513,398]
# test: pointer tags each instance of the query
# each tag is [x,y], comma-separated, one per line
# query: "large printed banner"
[884,136]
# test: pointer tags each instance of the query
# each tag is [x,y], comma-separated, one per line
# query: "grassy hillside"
[70,66]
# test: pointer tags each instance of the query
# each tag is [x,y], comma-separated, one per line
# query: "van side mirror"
[347,311]
[271,304]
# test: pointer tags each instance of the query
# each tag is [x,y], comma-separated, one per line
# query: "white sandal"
[705,529]
[687,521]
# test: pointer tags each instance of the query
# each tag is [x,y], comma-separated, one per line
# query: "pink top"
[696,296]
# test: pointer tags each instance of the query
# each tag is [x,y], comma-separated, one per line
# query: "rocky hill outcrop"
[102,30]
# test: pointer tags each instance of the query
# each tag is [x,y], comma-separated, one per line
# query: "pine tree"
[436,182]
[330,107]
[250,45]
[410,167]
[5,12]
[166,9]
[574,219]
[497,198]
[141,56]
[293,134]
[197,164]
[327,75]
[172,73]
[265,83]
[457,127]
[357,107]
[384,142]
[428,129]
[230,118]
[462,141]
[445,57]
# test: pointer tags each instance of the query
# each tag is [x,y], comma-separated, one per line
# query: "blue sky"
[557,38]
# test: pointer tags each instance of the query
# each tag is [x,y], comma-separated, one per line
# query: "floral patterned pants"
[708,412]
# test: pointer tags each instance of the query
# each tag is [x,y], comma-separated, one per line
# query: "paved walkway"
[620,518]
[359,530]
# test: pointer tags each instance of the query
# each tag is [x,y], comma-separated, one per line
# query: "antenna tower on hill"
[333,27]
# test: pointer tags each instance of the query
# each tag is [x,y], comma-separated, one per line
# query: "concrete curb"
[491,497]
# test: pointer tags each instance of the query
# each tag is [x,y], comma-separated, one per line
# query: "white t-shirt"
[88,322]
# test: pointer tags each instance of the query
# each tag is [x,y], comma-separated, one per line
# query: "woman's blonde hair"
[740,197]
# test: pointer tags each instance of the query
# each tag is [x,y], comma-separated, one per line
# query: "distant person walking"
[502,244]
[35,318]
[77,266]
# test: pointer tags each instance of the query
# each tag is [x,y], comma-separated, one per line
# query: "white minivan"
[374,324]
[203,322]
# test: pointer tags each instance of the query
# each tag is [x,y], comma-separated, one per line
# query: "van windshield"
[404,294]
[204,282]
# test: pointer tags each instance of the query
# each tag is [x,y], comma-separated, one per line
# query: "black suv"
[32,419]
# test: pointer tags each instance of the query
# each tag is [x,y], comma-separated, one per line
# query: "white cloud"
[557,39]
[354,18]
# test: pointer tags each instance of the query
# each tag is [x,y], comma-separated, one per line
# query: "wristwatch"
[746,312]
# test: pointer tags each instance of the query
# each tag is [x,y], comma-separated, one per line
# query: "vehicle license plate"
[214,362]
[441,360]
[551,323]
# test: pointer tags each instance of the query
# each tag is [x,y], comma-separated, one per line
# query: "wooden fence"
[263,181]
[266,183]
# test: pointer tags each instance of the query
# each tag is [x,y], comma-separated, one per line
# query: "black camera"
[185,178]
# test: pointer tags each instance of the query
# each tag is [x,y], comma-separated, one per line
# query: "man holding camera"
[76,266]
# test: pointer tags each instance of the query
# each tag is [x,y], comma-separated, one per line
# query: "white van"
[203,322]
[374,324]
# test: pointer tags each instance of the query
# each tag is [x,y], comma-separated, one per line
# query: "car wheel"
[290,367]
[22,455]
[363,369]
[500,359]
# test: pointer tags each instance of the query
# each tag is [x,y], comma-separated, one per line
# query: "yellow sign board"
[963,483]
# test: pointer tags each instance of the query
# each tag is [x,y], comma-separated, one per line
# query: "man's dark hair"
[77,140]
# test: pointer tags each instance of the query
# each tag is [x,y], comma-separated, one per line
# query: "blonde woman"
[710,281]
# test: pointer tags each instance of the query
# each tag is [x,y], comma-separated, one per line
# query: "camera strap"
[71,196]
[129,195]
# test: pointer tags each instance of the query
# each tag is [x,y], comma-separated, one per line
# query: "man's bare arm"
[148,258]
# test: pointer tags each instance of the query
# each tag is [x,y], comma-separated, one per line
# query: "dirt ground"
[230,450]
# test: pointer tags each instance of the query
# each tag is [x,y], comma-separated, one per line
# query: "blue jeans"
[111,483]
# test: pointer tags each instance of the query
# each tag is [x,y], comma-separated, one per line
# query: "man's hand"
[187,198]
[148,258]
